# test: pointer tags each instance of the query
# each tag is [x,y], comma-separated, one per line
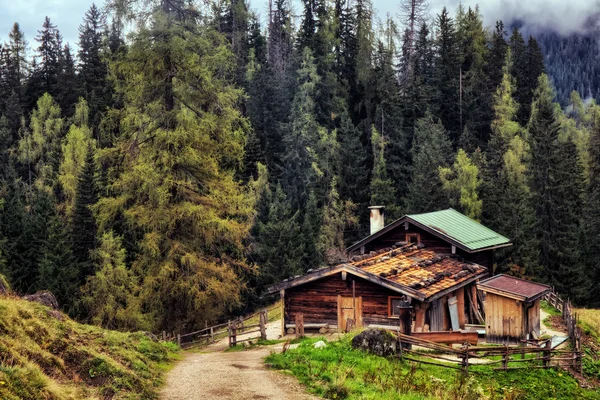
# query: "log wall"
[509,320]
[431,242]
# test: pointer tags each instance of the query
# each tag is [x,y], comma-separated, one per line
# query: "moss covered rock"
[376,341]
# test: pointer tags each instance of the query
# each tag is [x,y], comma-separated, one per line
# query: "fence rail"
[231,329]
[462,358]
[570,319]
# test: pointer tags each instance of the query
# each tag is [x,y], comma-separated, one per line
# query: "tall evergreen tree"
[92,64]
[383,191]
[431,150]
[82,223]
[556,182]
[46,72]
[592,211]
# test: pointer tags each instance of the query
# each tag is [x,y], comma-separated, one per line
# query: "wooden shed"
[512,308]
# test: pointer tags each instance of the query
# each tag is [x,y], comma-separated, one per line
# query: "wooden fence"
[463,358]
[238,328]
[231,329]
[570,319]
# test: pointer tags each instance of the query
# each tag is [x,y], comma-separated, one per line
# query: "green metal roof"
[460,228]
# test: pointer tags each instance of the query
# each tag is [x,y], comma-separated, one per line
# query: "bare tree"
[412,14]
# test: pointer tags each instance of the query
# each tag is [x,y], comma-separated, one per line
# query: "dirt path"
[215,374]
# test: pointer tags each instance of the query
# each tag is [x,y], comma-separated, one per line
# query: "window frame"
[413,235]
[390,301]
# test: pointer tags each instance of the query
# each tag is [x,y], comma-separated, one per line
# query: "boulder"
[320,345]
[43,297]
[323,330]
[290,331]
[376,341]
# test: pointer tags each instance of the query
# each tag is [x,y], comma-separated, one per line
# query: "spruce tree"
[46,71]
[83,224]
[592,211]
[447,71]
[556,181]
[431,150]
[58,269]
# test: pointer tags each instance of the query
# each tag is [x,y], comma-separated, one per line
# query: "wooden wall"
[431,242]
[317,300]
[509,320]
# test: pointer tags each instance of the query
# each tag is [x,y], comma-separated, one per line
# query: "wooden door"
[349,308]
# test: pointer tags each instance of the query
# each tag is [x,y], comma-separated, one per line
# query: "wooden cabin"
[427,263]
[512,308]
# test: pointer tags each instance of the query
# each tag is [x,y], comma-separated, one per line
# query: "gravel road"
[214,374]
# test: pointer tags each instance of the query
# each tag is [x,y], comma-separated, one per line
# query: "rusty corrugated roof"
[423,270]
[515,286]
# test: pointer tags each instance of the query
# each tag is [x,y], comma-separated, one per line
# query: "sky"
[565,16]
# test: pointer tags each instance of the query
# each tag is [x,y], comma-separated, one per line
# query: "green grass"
[46,355]
[339,372]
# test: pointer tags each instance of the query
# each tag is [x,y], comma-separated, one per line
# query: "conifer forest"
[184,155]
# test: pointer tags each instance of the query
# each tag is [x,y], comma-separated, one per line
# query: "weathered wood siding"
[505,319]
[318,300]
[431,242]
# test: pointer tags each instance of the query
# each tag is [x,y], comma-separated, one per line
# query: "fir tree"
[592,211]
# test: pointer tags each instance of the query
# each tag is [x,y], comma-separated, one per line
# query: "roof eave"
[457,286]
[322,273]
[507,293]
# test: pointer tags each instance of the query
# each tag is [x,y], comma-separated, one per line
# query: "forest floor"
[215,373]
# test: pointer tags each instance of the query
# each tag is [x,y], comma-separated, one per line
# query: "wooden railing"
[544,357]
[238,328]
[231,329]
[570,319]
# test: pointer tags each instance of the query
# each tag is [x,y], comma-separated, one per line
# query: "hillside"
[45,355]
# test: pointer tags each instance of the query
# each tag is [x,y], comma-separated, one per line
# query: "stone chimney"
[377,218]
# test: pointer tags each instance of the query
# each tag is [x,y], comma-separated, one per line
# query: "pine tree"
[67,82]
[556,181]
[431,149]
[497,55]
[519,72]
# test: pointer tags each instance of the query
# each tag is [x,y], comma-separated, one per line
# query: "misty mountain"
[572,59]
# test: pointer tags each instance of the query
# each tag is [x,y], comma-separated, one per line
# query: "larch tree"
[182,147]
[462,183]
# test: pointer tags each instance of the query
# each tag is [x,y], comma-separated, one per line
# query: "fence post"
[505,359]
[229,331]
[234,333]
[179,340]
[164,336]
[263,327]
[299,325]
[465,357]
[212,334]
[547,354]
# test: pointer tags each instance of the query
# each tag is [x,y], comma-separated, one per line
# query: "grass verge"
[339,372]
[46,355]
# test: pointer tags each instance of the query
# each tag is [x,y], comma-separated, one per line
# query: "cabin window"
[413,238]
[394,304]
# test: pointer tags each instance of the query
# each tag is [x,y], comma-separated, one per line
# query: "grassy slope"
[339,372]
[44,357]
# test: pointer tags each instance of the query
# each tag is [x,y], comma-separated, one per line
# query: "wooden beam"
[282,296]
[448,337]
[460,297]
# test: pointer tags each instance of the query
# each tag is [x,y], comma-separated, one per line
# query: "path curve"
[215,374]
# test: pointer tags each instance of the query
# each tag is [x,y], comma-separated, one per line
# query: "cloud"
[564,16]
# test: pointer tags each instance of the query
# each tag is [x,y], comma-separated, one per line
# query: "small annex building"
[512,308]
[429,263]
